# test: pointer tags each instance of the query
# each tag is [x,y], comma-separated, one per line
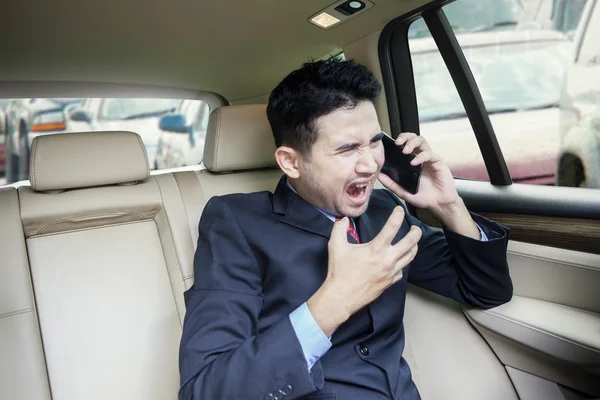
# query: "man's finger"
[404,137]
[391,227]
[405,260]
[394,187]
[422,158]
[339,233]
[398,276]
[407,243]
[417,144]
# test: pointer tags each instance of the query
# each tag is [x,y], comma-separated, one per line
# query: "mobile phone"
[397,166]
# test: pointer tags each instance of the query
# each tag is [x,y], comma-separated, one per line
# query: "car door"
[547,337]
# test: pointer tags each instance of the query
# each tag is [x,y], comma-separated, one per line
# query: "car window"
[123,109]
[442,117]
[571,13]
[589,50]
[560,15]
[171,137]
[475,15]
[521,77]
[514,76]
[201,122]
[579,156]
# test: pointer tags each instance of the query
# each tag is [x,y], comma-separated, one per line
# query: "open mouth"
[357,190]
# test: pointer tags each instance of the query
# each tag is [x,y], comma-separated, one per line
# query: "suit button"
[278,395]
[287,390]
[364,350]
[269,397]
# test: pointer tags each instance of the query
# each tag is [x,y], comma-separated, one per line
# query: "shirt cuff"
[484,237]
[312,339]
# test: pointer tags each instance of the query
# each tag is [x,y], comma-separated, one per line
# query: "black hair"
[312,91]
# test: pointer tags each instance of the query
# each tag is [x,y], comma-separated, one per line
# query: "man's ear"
[289,161]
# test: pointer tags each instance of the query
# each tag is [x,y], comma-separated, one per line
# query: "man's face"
[339,173]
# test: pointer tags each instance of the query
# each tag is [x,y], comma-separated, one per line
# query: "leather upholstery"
[22,367]
[79,209]
[109,323]
[239,138]
[106,273]
[564,332]
[77,160]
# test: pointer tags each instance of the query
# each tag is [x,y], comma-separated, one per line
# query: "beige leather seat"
[22,366]
[107,280]
[239,158]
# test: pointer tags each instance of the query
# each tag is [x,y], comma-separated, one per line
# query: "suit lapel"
[295,211]
[366,231]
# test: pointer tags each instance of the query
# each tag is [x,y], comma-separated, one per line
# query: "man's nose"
[367,164]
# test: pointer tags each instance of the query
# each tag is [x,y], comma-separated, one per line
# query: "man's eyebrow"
[353,145]
[348,146]
[377,137]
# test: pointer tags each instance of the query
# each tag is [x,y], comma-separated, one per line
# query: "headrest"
[77,160]
[239,138]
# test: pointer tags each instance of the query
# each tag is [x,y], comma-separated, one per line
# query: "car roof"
[238,49]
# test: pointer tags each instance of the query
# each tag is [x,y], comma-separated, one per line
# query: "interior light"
[324,20]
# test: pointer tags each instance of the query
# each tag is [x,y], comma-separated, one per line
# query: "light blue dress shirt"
[313,341]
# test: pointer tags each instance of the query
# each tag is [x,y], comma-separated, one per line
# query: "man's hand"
[358,274]
[437,191]
[436,188]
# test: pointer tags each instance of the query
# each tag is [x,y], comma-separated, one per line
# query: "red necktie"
[351,231]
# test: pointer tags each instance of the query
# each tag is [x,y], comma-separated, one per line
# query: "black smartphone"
[397,166]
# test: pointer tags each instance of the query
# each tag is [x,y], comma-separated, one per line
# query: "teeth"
[361,185]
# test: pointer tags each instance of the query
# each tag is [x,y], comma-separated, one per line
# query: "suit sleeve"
[222,353]
[472,272]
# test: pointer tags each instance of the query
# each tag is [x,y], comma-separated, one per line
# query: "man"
[288,303]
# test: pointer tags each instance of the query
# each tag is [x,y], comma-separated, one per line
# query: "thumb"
[339,232]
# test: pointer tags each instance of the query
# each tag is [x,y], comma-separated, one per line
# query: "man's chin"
[355,211]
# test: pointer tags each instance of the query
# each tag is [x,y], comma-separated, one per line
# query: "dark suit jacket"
[262,255]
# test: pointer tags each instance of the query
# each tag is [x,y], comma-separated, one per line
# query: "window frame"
[398,78]
[588,17]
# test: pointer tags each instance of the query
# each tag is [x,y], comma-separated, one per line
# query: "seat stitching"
[68,231]
[184,203]
[34,150]
[13,313]
[416,369]
[557,261]
[41,231]
[216,149]
[538,329]
[144,155]
[174,248]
